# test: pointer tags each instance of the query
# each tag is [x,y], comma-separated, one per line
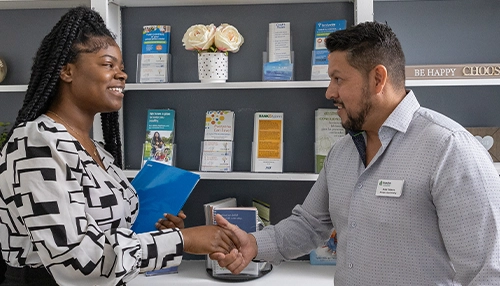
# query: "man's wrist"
[254,246]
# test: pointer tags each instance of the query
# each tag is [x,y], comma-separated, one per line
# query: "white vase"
[212,67]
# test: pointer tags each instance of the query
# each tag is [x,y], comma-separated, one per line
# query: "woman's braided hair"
[80,30]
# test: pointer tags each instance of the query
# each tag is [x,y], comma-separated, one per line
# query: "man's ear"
[66,74]
[380,73]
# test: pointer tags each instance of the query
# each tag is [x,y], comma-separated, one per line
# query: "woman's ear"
[66,74]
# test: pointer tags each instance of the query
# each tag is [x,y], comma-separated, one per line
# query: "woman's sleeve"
[52,191]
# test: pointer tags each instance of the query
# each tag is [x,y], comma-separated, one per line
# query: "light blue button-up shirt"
[444,229]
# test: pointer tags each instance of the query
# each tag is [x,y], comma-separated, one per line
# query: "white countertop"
[192,272]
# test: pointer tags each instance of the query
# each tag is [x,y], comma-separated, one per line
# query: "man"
[414,197]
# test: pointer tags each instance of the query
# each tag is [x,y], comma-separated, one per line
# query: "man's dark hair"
[80,30]
[368,45]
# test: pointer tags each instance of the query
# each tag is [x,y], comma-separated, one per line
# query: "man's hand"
[171,221]
[236,261]
[209,239]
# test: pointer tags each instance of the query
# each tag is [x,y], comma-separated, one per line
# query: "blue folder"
[161,189]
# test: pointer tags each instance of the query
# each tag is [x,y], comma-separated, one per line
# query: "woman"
[69,207]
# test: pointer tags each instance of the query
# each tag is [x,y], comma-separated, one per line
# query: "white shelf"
[228,85]
[295,84]
[246,176]
[13,88]
[150,3]
[271,84]
[42,4]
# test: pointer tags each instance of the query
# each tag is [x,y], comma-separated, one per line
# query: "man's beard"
[355,122]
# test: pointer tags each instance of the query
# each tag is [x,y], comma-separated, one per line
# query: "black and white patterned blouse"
[59,209]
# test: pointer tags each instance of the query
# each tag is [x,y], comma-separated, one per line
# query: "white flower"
[199,37]
[228,39]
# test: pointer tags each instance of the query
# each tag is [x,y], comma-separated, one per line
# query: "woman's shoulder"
[40,131]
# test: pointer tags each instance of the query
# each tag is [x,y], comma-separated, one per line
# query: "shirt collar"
[402,115]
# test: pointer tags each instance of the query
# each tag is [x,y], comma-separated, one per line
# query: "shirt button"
[360,186]
[353,224]
[350,265]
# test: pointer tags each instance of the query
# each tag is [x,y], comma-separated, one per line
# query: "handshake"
[226,243]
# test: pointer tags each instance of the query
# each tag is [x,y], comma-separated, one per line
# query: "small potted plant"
[3,131]
[212,44]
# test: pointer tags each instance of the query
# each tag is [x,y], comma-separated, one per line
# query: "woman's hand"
[171,221]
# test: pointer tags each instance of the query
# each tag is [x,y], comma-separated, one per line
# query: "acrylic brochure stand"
[277,71]
[166,156]
[154,68]
[318,71]
[216,156]
[281,70]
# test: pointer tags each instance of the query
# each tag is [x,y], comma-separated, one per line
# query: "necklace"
[72,129]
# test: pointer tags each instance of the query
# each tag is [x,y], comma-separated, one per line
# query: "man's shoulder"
[438,120]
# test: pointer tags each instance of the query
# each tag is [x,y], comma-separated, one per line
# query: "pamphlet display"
[216,154]
[208,209]
[267,146]
[160,132]
[246,218]
[219,125]
[328,129]
[319,69]
[278,60]
[154,64]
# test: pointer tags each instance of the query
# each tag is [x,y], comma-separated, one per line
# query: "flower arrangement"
[208,38]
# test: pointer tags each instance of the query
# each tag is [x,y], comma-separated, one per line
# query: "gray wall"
[20,35]
[450,32]
[431,32]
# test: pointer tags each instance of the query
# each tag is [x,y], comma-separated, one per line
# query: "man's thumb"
[222,222]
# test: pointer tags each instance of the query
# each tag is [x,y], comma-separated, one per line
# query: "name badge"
[389,188]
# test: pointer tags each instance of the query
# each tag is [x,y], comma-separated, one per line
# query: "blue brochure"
[161,188]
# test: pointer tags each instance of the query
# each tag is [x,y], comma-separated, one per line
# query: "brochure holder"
[319,65]
[166,156]
[266,165]
[216,156]
[278,70]
[154,68]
